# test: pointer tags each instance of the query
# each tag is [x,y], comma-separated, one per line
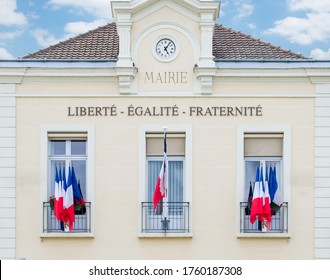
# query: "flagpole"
[165,212]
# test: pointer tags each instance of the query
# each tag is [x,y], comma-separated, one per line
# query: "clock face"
[165,49]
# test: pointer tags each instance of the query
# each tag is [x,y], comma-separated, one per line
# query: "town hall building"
[238,113]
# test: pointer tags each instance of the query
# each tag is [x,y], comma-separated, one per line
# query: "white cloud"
[320,54]
[308,5]
[45,39]
[244,9]
[97,8]
[8,14]
[9,35]
[79,27]
[4,54]
[252,26]
[313,27]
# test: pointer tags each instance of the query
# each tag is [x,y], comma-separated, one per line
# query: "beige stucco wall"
[116,171]
[145,31]
[44,96]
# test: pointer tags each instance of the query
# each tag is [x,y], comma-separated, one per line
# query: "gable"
[103,43]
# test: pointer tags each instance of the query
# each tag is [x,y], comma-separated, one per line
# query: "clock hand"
[165,48]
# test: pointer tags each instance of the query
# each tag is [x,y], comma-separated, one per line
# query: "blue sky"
[302,26]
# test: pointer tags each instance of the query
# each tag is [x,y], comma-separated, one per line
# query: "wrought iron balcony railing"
[82,222]
[279,222]
[176,220]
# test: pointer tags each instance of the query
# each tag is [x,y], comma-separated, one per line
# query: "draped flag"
[274,190]
[249,200]
[61,198]
[77,195]
[68,203]
[266,203]
[161,185]
[261,201]
[257,200]
[250,197]
[58,198]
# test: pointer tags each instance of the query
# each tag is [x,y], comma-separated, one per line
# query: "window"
[172,215]
[66,152]
[264,154]
[175,181]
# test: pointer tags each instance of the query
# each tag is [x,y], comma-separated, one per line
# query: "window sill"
[165,235]
[264,235]
[67,235]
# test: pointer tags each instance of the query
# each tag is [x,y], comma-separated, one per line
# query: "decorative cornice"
[125,77]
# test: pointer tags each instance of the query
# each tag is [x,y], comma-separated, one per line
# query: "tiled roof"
[234,45]
[103,44]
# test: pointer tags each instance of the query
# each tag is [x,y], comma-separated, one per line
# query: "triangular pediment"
[141,8]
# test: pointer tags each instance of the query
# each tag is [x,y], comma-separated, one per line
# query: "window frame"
[187,173]
[285,179]
[68,157]
[44,174]
[169,159]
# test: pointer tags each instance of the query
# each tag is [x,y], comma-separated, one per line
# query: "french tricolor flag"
[274,190]
[161,185]
[257,200]
[58,195]
[68,203]
[266,200]
[261,200]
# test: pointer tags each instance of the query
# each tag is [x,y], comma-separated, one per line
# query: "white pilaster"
[205,70]
[124,26]
[125,67]
[207,28]
[322,171]
[7,171]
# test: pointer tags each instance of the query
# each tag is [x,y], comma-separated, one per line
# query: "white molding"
[207,23]
[44,168]
[165,235]
[71,72]
[183,94]
[265,72]
[175,42]
[67,235]
[125,77]
[286,170]
[205,76]
[150,9]
[322,168]
[322,89]
[8,170]
[142,8]
[124,26]
[7,88]
[143,129]
[169,26]
[264,235]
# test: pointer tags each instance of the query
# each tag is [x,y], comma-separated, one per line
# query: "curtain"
[175,179]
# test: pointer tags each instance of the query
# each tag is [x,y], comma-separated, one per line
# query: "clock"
[165,49]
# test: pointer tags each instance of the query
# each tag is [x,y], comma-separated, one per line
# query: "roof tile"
[103,44]
[235,45]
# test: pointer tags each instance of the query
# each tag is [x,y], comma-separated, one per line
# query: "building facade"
[231,105]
